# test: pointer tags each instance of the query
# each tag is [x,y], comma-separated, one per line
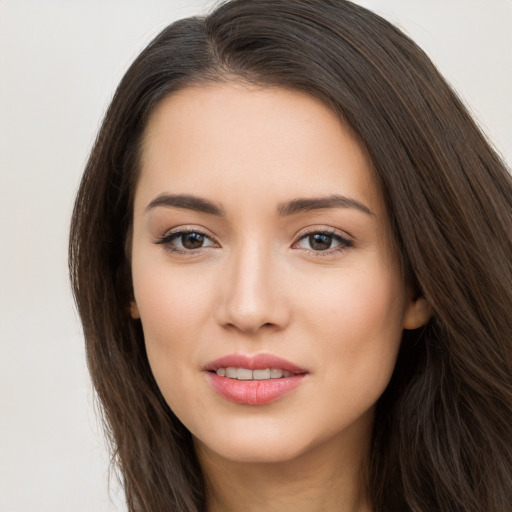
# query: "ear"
[417,313]
[134,310]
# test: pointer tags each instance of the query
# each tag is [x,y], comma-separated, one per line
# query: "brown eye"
[323,241]
[320,241]
[192,240]
[183,241]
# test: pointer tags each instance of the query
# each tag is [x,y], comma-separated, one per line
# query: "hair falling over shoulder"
[443,436]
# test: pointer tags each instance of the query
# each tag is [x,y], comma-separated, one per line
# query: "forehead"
[231,138]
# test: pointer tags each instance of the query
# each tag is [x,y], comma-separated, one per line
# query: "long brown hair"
[442,437]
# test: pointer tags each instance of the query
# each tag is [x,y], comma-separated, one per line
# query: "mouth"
[248,374]
[254,380]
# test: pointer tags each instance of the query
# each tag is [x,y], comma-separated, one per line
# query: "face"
[271,299]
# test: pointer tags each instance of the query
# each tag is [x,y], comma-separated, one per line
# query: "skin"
[258,285]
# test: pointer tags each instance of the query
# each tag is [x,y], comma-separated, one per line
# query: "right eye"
[186,240]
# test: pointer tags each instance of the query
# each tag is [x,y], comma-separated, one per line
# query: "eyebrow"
[293,207]
[319,203]
[188,202]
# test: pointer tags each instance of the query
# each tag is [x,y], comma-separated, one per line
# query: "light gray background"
[60,61]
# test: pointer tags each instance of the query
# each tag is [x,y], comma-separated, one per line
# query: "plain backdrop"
[60,61]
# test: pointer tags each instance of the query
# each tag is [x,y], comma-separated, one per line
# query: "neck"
[326,478]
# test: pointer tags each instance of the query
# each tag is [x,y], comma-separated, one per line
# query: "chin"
[260,448]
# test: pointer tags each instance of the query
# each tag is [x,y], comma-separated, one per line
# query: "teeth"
[231,373]
[247,374]
[261,374]
[276,373]
[243,374]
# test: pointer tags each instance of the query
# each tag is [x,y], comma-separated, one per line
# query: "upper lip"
[254,362]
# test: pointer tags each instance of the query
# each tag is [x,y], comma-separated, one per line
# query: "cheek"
[373,311]
[168,297]
[166,311]
[355,300]
[170,326]
[358,325]
[173,306]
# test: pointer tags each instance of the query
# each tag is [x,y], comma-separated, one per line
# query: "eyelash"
[344,243]
[168,238]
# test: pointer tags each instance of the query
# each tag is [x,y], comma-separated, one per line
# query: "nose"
[252,292]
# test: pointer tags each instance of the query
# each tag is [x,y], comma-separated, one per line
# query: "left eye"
[320,241]
[186,240]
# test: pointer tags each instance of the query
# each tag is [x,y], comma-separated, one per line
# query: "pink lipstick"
[254,380]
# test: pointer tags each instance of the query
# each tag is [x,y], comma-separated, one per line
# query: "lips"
[256,362]
[256,380]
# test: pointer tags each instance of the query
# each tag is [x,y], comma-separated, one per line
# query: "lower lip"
[254,392]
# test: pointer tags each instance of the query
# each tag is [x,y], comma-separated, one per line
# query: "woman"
[291,255]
